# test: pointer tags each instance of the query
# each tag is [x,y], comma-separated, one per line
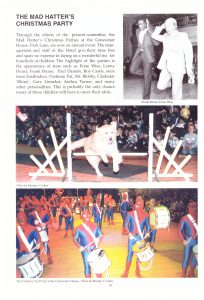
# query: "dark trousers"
[139,60]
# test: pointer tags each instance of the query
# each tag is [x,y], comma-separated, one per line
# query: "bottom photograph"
[109,233]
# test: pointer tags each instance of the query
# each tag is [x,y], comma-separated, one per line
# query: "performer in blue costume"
[87,237]
[137,225]
[40,218]
[97,211]
[189,236]
[66,212]
[123,210]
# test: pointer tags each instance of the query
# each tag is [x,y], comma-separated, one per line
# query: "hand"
[81,248]
[185,243]
[191,78]
[36,222]
[131,237]
[147,22]
[37,246]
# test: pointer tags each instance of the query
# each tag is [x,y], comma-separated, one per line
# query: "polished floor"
[68,262]
[133,87]
[132,169]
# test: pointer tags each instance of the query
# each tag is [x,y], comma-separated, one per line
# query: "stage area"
[132,169]
[68,260]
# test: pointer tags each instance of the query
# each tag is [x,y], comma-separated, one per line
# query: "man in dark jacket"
[144,54]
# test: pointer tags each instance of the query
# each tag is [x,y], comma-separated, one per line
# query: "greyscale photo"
[160,56]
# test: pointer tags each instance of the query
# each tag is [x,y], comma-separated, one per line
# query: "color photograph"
[106,143]
[106,233]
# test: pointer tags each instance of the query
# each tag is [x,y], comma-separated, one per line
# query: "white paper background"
[90,16]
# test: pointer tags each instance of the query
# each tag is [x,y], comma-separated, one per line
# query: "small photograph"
[109,233]
[160,58]
[106,143]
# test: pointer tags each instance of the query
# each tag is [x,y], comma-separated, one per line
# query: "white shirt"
[141,35]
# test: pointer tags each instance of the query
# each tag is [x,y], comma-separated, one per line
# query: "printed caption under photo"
[100,281]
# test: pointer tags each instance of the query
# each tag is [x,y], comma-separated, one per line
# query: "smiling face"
[142,24]
[108,132]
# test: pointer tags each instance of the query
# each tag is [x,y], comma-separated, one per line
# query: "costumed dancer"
[87,238]
[66,213]
[123,210]
[27,238]
[27,205]
[85,203]
[188,230]
[111,206]
[137,225]
[40,218]
[105,208]
[53,209]
[97,212]
[152,203]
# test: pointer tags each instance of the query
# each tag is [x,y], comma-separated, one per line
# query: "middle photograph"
[106,143]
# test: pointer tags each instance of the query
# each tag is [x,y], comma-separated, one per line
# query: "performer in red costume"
[123,210]
[105,208]
[27,238]
[97,211]
[188,230]
[66,213]
[153,232]
[137,225]
[111,207]
[26,230]
[53,209]
[87,237]
[85,203]
[40,218]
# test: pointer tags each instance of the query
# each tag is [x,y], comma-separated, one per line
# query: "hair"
[192,202]
[173,21]
[141,19]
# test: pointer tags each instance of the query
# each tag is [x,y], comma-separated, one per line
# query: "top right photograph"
[160,56]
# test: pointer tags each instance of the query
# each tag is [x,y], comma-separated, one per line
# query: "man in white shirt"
[177,57]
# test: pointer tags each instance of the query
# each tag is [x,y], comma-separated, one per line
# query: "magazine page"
[101,149]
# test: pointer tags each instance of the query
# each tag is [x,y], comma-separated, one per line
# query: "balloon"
[185,113]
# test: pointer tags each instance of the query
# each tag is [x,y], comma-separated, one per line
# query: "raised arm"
[156,34]
[150,29]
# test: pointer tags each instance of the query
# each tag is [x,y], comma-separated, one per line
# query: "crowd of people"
[174,199]
[132,125]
